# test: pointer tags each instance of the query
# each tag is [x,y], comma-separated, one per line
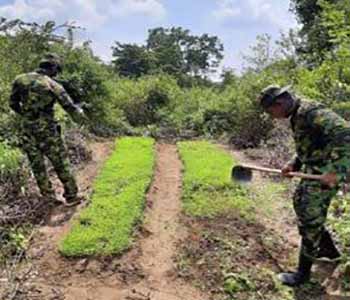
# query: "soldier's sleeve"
[65,100]
[338,146]
[16,97]
[340,161]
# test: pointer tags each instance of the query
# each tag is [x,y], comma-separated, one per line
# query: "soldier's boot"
[301,276]
[328,251]
[71,193]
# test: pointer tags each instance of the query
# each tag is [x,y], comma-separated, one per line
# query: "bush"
[12,177]
[144,101]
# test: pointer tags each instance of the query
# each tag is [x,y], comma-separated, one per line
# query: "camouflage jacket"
[34,95]
[322,139]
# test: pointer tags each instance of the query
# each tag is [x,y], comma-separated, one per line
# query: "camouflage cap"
[51,59]
[269,94]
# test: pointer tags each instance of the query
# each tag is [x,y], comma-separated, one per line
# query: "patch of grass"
[339,220]
[268,194]
[10,161]
[207,187]
[117,203]
[231,254]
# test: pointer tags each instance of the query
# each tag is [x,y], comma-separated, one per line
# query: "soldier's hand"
[80,116]
[329,179]
[80,111]
[286,170]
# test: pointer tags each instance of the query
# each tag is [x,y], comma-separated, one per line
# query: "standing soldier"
[322,140]
[33,98]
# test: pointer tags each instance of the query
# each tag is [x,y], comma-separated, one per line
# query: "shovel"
[244,173]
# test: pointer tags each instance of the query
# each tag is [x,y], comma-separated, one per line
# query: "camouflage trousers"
[39,142]
[311,202]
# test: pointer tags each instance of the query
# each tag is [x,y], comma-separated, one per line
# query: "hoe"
[244,173]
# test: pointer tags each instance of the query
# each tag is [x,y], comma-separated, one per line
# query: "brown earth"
[144,272]
[152,268]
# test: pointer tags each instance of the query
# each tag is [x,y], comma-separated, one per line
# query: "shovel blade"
[241,174]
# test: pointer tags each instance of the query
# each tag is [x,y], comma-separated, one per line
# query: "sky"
[235,22]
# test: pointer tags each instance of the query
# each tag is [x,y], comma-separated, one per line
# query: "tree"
[173,51]
[131,60]
[261,54]
[316,41]
[228,77]
[178,51]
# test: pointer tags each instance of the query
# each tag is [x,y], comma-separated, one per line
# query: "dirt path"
[146,272]
[163,231]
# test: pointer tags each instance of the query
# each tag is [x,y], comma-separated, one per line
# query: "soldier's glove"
[80,116]
[330,179]
[80,111]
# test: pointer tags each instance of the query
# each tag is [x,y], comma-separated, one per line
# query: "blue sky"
[236,22]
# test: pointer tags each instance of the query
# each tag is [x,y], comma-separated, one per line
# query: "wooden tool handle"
[305,176]
[277,171]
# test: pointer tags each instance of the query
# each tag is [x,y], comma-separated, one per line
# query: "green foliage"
[13,241]
[339,219]
[188,53]
[235,283]
[84,78]
[151,104]
[207,187]
[315,37]
[12,175]
[172,51]
[330,82]
[22,45]
[10,160]
[117,203]
[143,102]
[131,60]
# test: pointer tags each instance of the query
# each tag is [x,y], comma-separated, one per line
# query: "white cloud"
[273,12]
[226,10]
[87,13]
[150,8]
[22,9]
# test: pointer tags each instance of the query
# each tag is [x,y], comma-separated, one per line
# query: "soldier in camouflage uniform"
[33,98]
[322,141]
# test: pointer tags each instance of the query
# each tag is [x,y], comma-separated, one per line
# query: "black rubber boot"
[301,276]
[328,249]
[73,201]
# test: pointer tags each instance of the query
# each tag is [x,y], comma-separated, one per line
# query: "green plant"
[117,203]
[207,187]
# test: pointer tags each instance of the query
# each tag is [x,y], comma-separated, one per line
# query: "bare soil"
[164,230]
[147,271]
[173,257]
